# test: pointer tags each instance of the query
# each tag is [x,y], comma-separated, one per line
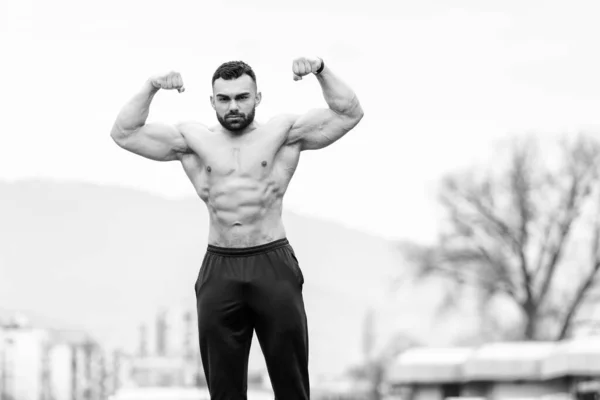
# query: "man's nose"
[233,106]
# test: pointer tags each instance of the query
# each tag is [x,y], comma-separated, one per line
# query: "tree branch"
[575,195]
[579,295]
[521,187]
[503,273]
[545,244]
[447,261]
[478,215]
[505,233]
[588,282]
[496,223]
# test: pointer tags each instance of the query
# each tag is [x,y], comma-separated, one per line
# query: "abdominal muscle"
[243,211]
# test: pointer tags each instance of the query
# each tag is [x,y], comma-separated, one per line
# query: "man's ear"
[258,98]
[212,102]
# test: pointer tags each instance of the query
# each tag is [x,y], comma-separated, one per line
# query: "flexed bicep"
[156,141]
[319,128]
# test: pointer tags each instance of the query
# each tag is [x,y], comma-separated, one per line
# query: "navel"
[264,163]
[209,168]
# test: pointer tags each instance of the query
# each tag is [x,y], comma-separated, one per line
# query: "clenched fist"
[169,81]
[305,65]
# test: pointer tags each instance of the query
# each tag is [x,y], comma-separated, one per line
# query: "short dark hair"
[233,70]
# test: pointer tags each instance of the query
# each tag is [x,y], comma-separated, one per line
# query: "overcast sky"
[439,83]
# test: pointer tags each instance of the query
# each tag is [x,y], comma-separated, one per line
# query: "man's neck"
[237,134]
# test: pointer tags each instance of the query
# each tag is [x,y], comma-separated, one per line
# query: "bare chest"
[224,163]
[247,160]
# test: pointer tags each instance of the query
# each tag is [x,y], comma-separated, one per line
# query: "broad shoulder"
[284,124]
[289,123]
[283,120]
[192,128]
[195,135]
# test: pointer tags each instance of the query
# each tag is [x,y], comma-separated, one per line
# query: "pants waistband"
[247,251]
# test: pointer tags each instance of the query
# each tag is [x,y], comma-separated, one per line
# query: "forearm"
[339,96]
[135,112]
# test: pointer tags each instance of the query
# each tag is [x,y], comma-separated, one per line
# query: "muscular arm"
[319,128]
[156,141]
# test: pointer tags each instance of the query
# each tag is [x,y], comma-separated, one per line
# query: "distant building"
[174,360]
[22,355]
[46,364]
[78,368]
[519,370]
[159,371]
[52,364]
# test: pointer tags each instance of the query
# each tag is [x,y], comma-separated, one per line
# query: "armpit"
[195,135]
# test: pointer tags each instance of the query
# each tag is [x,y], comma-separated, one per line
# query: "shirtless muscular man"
[250,279]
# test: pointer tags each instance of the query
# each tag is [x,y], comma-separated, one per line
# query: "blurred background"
[449,243]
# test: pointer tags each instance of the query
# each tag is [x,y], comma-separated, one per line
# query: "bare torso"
[242,180]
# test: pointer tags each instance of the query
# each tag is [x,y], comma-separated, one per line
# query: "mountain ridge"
[106,258]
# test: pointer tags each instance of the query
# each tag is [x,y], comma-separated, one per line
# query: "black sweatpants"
[241,290]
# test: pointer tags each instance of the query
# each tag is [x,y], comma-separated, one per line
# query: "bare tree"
[526,230]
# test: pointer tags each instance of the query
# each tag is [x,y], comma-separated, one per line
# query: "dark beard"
[239,125]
